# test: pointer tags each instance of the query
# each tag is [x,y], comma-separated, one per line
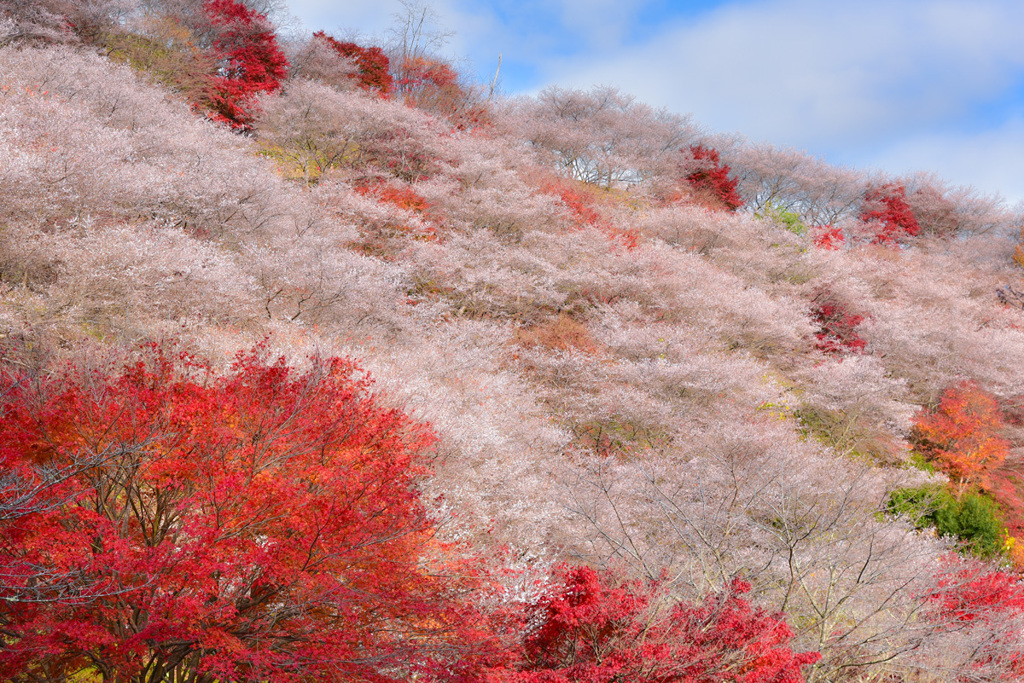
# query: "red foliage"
[711,179]
[420,72]
[975,593]
[250,526]
[406,198]
[887,207]
[962,434]
[836,327]
[974,596]
[433,86]
[580,204]
[1005,484]
[828,237]
[593,629]
[249,62]
[374,65]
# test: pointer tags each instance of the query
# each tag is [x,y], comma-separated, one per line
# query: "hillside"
[718,389]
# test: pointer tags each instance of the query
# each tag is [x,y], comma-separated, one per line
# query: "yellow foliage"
[1015,551]
[1018,255]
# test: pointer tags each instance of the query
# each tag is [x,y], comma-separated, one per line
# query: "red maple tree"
[972,597]
[974,593]
[433,86]
[828,237]
[401,196]
[248,58]
[836,326]
[418,73]
[374,66]
[263,524]
[886,206]
[711,181]
[594,629]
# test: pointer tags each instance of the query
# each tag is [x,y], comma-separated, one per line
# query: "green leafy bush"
[919,461]
[790,220]
[918,505]
[974,520]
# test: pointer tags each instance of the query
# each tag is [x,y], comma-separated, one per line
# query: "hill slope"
[620,372]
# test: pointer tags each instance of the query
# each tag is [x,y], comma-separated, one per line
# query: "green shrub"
[917,460]
[974,520]
[790,220]
[919,505]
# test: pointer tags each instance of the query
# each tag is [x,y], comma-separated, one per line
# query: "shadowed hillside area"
[319,361]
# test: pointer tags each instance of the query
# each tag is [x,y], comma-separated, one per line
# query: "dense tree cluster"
[220,54]
[611,434]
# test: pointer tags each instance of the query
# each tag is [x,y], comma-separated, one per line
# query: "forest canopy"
[319,360]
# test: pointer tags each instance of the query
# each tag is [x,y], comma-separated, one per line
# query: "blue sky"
[896,85]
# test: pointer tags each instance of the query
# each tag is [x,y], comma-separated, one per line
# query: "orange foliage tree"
[962,435]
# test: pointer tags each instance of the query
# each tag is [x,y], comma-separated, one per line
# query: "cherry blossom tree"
[768,176]
[314,59]
[602,136]
[946,211]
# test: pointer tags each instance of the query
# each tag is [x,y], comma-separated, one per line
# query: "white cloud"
[599,24]
[815,74]
[991,160]
[370,19]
